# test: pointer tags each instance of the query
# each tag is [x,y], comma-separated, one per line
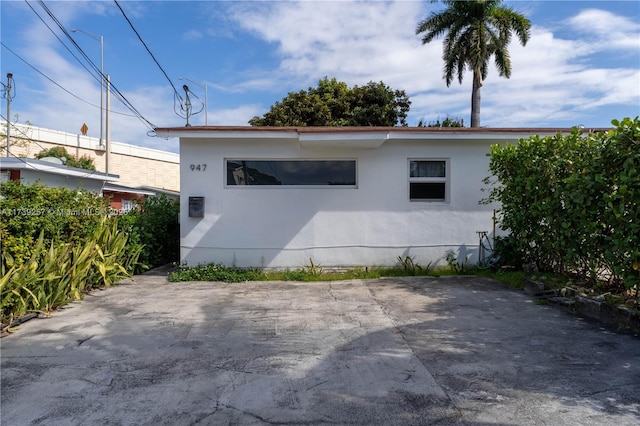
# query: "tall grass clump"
[57,273]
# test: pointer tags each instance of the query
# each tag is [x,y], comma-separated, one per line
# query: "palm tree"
[475,31]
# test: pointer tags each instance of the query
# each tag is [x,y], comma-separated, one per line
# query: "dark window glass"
[291,172]
[427,190]
[428,168]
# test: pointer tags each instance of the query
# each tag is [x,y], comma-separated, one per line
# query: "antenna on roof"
[187,104]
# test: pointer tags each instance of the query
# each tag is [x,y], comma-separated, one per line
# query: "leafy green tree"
[83,162]
[446,122]
[333,103]
[475,30]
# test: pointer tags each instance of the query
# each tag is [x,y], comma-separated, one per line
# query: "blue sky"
[580,67]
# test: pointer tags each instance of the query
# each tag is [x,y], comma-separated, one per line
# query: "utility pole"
[107,127]
[8,95]
[102,78]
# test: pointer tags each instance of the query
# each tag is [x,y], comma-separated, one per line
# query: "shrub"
[59,272]
[571,202]
[61,214]
[154,228]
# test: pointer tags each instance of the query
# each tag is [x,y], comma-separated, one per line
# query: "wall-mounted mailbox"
[196,206]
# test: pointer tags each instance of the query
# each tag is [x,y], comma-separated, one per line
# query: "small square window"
[428,180]
[127,206]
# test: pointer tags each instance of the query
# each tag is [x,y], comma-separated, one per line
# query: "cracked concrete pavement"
[394,351]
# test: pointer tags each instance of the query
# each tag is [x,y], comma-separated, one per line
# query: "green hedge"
[155,229]
[56,244]
[571,203]
[58,272]
[62,214]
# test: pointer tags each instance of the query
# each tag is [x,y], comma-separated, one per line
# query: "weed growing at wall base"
[309,273]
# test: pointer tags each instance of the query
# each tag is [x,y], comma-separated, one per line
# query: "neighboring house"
[27,170]
[137,166]
[123,198]
[53,173]
[278,197]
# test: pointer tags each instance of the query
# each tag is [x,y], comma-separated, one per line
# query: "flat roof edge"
[293,132]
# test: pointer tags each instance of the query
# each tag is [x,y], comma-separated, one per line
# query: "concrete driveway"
[401,351]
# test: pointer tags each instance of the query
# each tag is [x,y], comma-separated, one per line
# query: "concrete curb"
[618,317]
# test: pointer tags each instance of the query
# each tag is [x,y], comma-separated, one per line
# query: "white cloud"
[192,35]
[234,116]
[552,78]
[354,41]
[558,77]
[608,30]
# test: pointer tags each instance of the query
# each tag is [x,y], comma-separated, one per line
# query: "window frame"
[446,179]
[227,185]
[130,205]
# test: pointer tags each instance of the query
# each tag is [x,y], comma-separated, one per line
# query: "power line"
[60,40]
[23,133]
[116,92]
[175,91]
[25,136]
[56,83]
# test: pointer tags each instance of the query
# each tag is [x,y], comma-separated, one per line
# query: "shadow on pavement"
[411,351]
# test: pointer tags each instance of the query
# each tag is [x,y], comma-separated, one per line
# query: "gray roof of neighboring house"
[13,163]
[127,189]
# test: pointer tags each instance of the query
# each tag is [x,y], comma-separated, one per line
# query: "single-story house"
[276,197]
[124,198]
[53,173]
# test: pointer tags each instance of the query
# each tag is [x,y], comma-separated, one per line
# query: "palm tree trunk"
[475,99]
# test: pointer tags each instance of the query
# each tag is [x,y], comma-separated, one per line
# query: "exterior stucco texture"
[369,224]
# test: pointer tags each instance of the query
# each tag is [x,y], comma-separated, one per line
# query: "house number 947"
[198,167]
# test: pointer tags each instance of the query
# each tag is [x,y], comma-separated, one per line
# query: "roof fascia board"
[343,140]
[484,136]
[226,134]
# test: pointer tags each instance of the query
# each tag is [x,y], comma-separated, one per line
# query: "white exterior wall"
[283,227]
[53,180]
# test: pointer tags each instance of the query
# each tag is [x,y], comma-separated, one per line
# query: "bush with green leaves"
[61,214]
[154,227]
[571,202]
[56,244]
[59,272]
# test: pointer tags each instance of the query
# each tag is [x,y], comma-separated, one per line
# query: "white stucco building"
[276,197]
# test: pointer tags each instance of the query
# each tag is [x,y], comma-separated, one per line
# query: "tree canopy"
[445,122]
[333,103]
[475,30]
[83,162]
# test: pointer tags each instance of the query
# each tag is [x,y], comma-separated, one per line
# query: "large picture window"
[291,172]
[428,180]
